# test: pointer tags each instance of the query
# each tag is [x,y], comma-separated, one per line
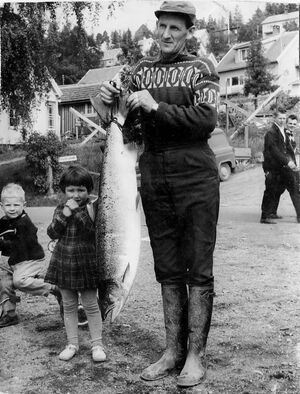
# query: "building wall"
[69,120]
[40,121]
[287,70]
[272,28]
[231,88]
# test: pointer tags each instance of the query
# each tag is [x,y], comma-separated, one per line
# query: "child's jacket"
[21,243]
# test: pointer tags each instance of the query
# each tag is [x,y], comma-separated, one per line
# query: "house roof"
[76,93]
[280,17]
[274,46]
[98,75]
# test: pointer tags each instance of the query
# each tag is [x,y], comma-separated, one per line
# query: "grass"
[10,152]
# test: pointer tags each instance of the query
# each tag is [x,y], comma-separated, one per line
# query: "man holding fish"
[177,97]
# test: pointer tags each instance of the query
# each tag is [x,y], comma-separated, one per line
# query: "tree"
[258,79]
[131,52]
[154,50]
[252,29]
[115,39]
[291,26]
[193,45]
[237,19]
[280,8]
[24,71]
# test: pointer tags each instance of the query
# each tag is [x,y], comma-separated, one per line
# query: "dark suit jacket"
[276,151]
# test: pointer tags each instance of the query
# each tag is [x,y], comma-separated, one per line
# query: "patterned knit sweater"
[187,91]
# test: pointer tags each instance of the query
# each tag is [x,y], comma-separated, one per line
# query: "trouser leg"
[292,184]
[27,278]
[175,316]
[8,297]
[270,198]
[199,320]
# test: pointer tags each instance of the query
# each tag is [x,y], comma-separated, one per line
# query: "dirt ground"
[254,342]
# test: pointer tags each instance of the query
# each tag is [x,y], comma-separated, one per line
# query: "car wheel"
[224,172]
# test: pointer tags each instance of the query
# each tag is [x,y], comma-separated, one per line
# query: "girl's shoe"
[68,353]
[98,354]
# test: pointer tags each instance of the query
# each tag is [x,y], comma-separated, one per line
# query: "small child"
[23,258]
[73,267]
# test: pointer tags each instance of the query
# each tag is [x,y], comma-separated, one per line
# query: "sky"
[137,12]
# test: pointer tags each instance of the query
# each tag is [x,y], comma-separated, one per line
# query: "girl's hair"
[76,176]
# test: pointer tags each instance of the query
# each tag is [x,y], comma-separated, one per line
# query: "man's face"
[291,124]
[172,33]
[280,119]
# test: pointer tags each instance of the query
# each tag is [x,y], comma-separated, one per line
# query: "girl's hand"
[69,207]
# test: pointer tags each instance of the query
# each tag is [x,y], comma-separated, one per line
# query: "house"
[110,57]
[274,24]
[282,54]
[78,96]
[145,45]
[202,38]
[45,118]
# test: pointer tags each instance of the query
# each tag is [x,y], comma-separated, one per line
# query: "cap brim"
[159,12]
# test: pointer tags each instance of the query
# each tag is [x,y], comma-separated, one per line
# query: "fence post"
[246,136]
[50,178]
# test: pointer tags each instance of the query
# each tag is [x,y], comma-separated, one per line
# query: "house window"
[276,29]
[12,118]
[88,109]
[244,54]
[235,81]
[241,80]
[51,116]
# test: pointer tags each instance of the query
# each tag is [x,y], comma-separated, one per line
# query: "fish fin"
[117,309]
[127,269]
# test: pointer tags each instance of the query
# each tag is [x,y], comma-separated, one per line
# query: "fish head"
[107,113]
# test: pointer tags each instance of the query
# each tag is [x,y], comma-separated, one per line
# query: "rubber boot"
[199,318]
[175,306]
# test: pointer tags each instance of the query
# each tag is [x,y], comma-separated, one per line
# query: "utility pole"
[299,41]
[228,18]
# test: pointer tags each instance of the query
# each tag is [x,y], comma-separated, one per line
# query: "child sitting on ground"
[23,258]
[73,266]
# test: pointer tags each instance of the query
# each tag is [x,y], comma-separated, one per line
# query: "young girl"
[73,265]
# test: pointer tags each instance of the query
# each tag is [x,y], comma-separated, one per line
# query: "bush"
[285,102]
[89,156]
[43,150]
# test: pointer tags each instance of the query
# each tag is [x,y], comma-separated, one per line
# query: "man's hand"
[108,92]
[141,99]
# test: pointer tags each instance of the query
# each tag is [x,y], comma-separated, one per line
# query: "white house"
[45,118]
[110,57]
[282,54]
[274,24]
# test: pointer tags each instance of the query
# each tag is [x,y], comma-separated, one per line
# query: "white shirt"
[281,131]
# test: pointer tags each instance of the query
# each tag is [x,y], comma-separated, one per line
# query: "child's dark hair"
[76,176]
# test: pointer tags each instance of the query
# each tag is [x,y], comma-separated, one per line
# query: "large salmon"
[117,215]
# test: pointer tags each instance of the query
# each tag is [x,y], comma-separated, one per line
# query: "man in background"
[279,166]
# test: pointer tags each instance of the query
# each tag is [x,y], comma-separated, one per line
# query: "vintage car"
[224,153]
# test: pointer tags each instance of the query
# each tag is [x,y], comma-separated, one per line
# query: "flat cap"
[177,7]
